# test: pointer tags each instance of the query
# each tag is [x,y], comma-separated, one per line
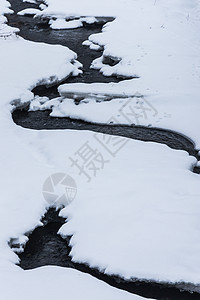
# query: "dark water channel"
[45,246]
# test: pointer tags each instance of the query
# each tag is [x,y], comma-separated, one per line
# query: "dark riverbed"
[45,246]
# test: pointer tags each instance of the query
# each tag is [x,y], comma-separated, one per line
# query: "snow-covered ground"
[139,216]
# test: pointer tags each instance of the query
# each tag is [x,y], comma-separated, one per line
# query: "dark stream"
[45,246]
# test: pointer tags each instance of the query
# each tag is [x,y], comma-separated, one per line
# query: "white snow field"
[139,216]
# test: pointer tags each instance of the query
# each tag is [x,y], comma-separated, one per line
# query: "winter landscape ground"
[135,214]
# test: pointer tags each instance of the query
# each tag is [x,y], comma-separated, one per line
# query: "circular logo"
[59,189]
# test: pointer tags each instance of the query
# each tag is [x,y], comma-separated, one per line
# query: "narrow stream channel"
[45,246]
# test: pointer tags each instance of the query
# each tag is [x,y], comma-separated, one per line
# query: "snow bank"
[97,8]
[57,283]
[138,206]
[62,23]
[137,218]
[5,30]
[5,7]
[28,74]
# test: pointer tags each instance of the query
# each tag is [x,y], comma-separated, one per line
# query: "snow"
[66,283]
[5,30]
[24,167]
[99,89]
[5,7]
[28,11]
[94,111]
[151,210]
[139,216]
[168,111]
[30,1]
[142,211]
[28,74]
[63,24]
[165,40]
[56,282]
[153,40]
[96,8]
